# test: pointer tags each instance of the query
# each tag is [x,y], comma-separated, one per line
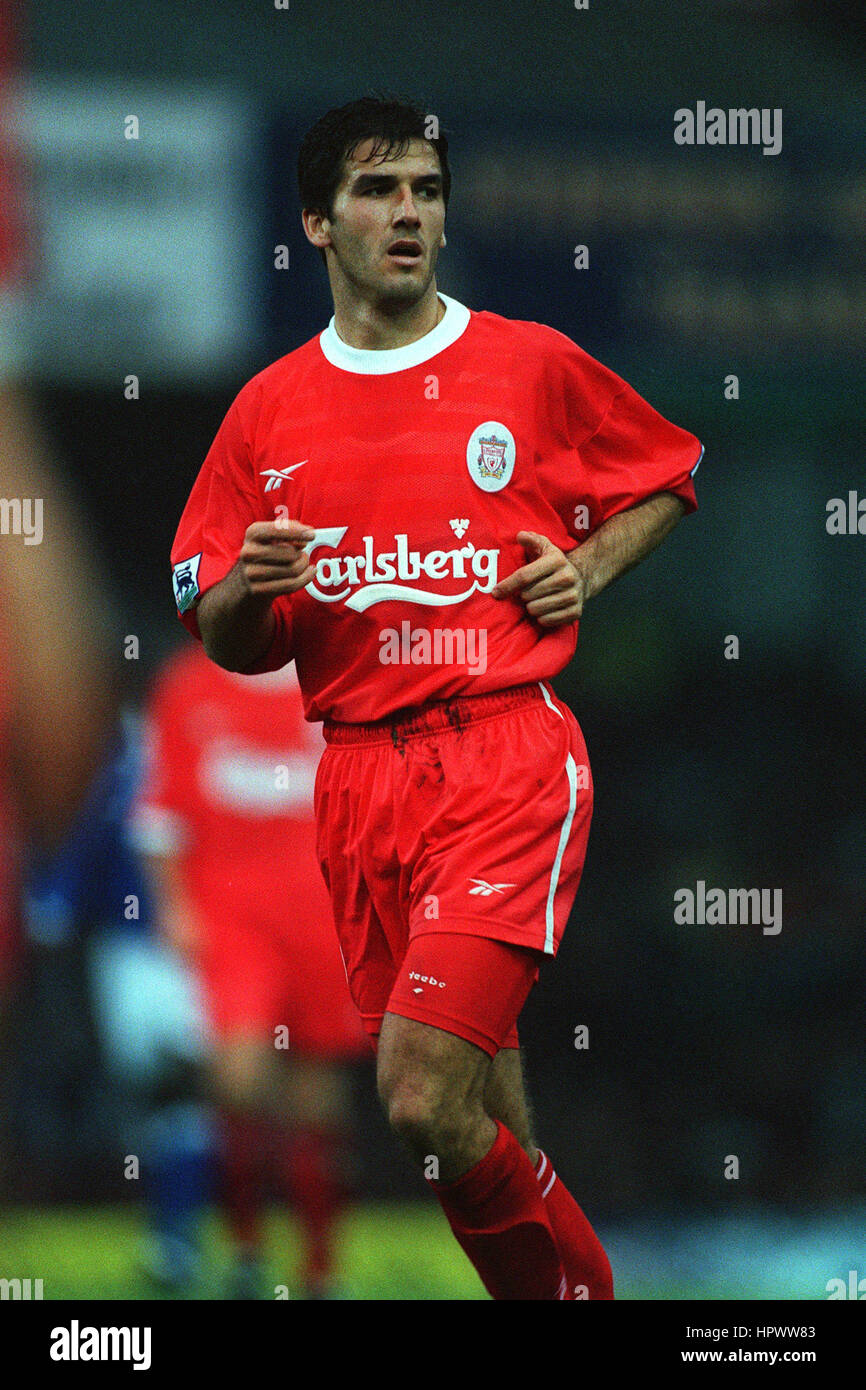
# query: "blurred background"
[140,292]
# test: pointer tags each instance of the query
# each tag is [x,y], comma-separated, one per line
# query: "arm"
[177,922]
[235,616]
[623,541]
[555,585]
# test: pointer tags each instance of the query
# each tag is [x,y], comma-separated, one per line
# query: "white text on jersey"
[380,570]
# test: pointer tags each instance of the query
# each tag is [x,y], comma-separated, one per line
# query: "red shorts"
[469,818]
[466,985]
[256,980]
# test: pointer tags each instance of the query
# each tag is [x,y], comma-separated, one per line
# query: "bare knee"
[431,1084]
[238,1073]
[420,1110]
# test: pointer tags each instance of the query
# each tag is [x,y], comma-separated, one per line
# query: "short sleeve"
[222,504]
[634,453]
[608,449]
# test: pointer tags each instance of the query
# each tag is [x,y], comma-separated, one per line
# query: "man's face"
[387,222]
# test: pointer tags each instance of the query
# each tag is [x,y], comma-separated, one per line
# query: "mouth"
[405,252]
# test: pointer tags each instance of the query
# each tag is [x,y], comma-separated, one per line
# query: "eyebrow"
[363,181]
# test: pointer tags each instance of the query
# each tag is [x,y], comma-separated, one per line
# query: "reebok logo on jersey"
[483,889]
[374,573]
[277,476]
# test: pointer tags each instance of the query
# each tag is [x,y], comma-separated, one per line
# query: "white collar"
[381,361]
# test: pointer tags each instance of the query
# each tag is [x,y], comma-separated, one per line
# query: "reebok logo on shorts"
[425,980]
[483,889]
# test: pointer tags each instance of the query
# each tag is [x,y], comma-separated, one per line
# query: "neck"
[375,326]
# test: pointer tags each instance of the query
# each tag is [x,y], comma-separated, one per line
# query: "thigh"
[357,824]
[505,828]
[434,1065]
[467,986]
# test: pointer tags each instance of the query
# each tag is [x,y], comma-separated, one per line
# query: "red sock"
[315,1189]
[498,1216]
[244,1161]
[587,1267]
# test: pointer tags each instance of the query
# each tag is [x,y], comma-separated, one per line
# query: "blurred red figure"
[226,826]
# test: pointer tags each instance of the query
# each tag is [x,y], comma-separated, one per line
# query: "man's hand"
[235,617]
[550,585]
[273,560]
[555,585]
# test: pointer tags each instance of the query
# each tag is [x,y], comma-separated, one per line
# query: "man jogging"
[415,507]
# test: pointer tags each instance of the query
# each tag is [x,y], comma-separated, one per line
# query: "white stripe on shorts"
[571,773]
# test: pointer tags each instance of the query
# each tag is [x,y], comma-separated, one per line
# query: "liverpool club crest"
[490,456]
[491,460]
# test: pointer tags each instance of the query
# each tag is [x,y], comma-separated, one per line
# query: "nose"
[406,210]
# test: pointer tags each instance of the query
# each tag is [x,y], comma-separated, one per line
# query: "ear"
[317,228]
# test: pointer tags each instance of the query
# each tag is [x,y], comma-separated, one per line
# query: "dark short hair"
[391,122]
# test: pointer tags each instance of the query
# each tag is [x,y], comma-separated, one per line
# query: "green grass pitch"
[384,1252]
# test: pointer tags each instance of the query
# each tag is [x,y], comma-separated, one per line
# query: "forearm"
[237,626]
[623,541]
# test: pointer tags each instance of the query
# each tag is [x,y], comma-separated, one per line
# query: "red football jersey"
[229,786]
[416,467]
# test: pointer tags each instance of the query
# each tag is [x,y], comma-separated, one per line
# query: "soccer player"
[225,825]
[415,506]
